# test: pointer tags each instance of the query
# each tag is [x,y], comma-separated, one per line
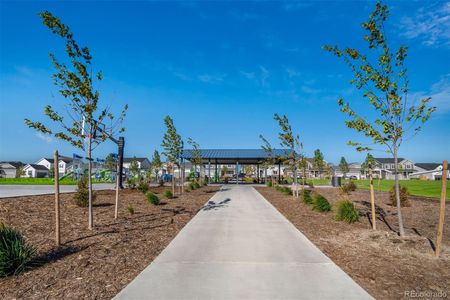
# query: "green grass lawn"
[38,181]
[423,188]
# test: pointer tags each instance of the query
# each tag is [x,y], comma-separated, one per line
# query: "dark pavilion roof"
[231,156]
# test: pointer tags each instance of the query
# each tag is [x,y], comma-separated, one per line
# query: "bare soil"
[383,263]
[98,263]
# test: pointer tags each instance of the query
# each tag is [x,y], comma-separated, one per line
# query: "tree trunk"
[173,180]
[91,216]
[397,193]
[372,200]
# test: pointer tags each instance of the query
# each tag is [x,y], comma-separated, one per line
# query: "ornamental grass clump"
[269,183]
[348,187]
[152,198]
[306,197]
[168,194]
[346,211]
[320,203]
[15,254]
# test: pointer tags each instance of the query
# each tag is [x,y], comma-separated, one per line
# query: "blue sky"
[220,69]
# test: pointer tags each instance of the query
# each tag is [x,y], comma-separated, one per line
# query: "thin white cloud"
[208,78]
[439,93]
[264,76]
[45,138]
[248,75]
[430,25]
[291,72]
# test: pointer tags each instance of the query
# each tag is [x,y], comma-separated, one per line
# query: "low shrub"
[81,196]
[346,211]
[284,189]
[196,185]
[404,194]
[152,198]
[348,187]
[311,184]
[142,187]
[168,194]
[192,186]
[320,203]
[269,183]
[131,210]
[306,197]
[15,254]
[131,183]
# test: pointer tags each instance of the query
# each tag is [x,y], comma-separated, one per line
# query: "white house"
[428,171]
[10,169]
[65,164]
[7,170]
[35,171]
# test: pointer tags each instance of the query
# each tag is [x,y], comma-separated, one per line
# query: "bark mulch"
[383,263]
[98,263]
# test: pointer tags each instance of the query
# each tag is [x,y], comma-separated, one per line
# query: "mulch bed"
[98,263]
[384,264]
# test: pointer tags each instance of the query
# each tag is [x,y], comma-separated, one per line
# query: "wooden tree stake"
[372,200]
[442,208]
[56,178]
[116,210]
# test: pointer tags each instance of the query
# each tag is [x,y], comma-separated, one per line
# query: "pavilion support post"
[209,171]
[237,172]
[216,175]
[279,173]
[257,171]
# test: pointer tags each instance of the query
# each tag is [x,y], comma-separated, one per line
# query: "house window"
[30,173]
[61,166]
[392,166]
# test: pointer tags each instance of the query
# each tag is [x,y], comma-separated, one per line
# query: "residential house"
[428,171]
[35,171]
[66,164]
[10,169]
[385,168]
[354,171]
[142,162]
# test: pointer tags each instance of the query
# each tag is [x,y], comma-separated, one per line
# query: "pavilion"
[236,157]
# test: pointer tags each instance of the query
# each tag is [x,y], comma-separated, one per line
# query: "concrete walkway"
[16,190]
[240,247]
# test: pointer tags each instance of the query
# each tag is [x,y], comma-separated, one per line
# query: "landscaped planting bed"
[384,264]
[93,264]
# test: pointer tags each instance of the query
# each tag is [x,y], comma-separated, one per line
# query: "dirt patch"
[384,264]
[94,263]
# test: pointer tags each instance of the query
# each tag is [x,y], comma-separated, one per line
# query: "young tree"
[381,75]
[303,165]
[369,162]
[196,155]
[318,162]
[173,146]
[271,157]
[111,162]
[343,166]
[134,167]
[156,163]
[292,155]
[75,79]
